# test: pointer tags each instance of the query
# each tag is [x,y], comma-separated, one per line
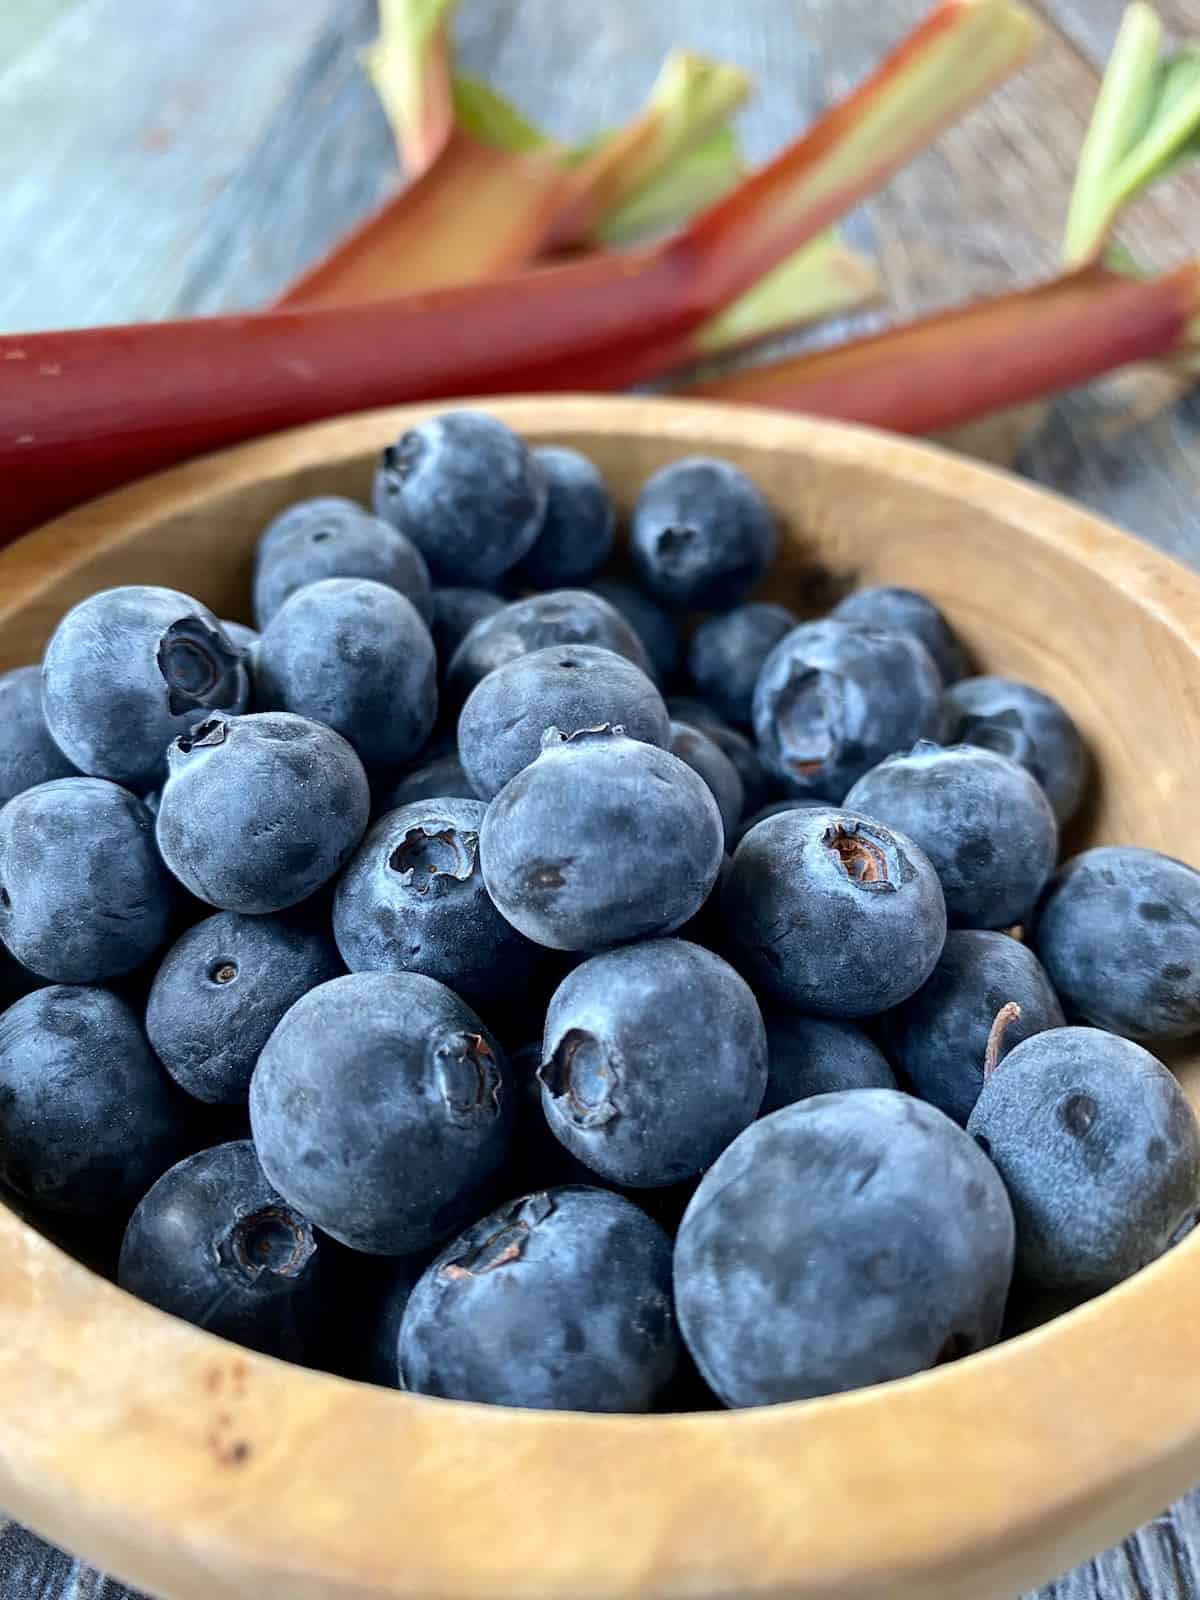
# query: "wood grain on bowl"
[202,1472]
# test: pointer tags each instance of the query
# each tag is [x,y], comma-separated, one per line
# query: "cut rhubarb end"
[960,365]
[824,278]
[410,67]
[962,49]
[691,98]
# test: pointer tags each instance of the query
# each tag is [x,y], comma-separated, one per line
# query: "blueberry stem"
[1005,1017]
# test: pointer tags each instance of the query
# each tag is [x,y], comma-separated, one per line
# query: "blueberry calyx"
[400,460]
[553,737]
[274,1240]
[467,1077]
[582,1077]
[675,549]
[808,720]
[196,663]
[867,859]
[425,854]
[204,736]
[508,1243]
[1077,1113]
[223,972]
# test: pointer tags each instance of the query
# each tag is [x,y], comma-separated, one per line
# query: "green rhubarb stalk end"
[825,278]
[409,66]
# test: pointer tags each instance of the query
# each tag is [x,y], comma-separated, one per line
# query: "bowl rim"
[154,1448]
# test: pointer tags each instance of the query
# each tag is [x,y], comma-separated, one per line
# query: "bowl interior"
[1037,590]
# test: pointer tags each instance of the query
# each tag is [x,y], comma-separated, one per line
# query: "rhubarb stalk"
[956,366]
[410,66]
[118,402]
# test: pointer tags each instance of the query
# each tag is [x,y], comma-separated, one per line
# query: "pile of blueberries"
[540,994]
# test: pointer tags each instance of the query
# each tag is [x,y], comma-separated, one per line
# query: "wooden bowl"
[200,1471]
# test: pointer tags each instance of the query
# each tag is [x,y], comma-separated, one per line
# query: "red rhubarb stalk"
[956,366]
[83,411]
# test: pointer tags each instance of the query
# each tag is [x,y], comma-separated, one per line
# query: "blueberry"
[382,1109]
[832,913]
[1027,725]
[775,809]
[686,708]
[566,686]
[328,538]
[707,927]
[560,1300]
[726,654]
[815,1055]
[561,616]
[624,1085]
[28,755]
[938,1037]
[706,757]
[213,1243]
[981,819]
[1118,932]
[242,636]
[356,656]
[455,613]
[442,778]
[600,840]
[258,812]
[702,535]
[469,493]
[758,786]
[834,698]
[412,900]
[886,606]
[655,627]
[83,893]
[129,669]
[365,1298]
[88,1118]
[1099,1151]
[579,527]
[219,992]
[843,1241]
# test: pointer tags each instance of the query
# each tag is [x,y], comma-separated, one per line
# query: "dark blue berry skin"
[382,1109]
[775,809]
[655,627]
[467,491]
[702,535]
[220,990]
[1118,932]
[83,893]
[258,812]
[365,1299]
[559,1301]
[412,900]
[982,820]
[816,1055]
[626,1085]
[241,634]
[834,698]
[886,606]
[602,839]
[455,613]
[938,1037]
[726,654]
[305,516]
[88,1117]
[1099,1151]
[561,616]
[758,786]
[28,755]
[356,656]
[442,778]
[128,670]
[833,913]
[686,708]
[706,757]
[1026,725]
[843,1241]
[330,539]
[568,687]
[580,525]
[213,1243]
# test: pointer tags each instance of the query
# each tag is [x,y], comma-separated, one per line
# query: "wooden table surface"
[163,157]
